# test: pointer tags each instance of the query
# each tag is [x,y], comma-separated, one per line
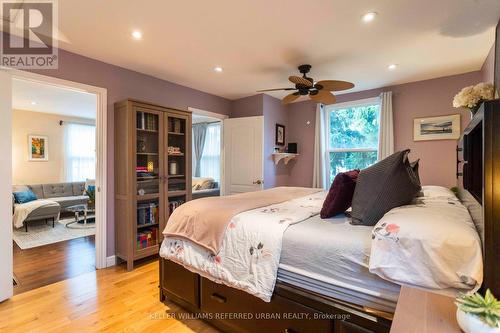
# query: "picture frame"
[437,128]
[280,135]
[38,148]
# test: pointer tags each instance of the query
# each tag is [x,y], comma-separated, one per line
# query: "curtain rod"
[208,122]
[62,122]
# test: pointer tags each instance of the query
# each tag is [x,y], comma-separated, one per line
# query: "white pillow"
[432,191]
[432,244]
[202,183]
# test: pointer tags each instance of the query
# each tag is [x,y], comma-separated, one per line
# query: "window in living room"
[353,134]
[79,157]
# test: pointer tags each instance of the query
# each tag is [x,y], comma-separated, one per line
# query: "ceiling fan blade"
[300,80]
[276,89]
[323,96]
[334,85]
[290,98]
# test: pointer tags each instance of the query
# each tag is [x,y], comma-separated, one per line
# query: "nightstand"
[421,311]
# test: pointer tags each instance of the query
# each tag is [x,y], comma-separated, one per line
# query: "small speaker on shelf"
[292,148]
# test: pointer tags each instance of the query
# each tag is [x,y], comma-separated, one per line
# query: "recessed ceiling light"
[33,103]
[392,67]
[218,69]
[136,34]
[368,17]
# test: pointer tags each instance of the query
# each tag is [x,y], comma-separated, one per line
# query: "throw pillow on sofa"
[385,185]
[24,196]
[339,197]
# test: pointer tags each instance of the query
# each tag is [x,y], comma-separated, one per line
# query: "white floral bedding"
[431,244]
[249,258]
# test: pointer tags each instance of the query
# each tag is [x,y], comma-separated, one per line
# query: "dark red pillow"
[339,197]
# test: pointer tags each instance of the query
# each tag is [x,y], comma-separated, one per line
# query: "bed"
[328,279]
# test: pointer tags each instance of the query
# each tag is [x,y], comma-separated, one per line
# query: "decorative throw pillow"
[414,166]
[339,197]
[385,185]
[24,196]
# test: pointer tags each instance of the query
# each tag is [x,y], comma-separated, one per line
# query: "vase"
[472,324]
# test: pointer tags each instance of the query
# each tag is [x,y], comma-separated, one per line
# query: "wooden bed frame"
[300,310]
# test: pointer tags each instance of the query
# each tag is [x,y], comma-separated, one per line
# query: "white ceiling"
[259,43]
[32,96]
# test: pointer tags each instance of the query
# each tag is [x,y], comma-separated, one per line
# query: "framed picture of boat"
[437,128]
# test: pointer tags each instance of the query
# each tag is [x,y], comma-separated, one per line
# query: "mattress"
[330,257]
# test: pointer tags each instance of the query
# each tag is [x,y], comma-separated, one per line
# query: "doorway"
[208,153]
[45,149]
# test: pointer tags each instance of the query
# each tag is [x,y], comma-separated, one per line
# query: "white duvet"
[432,244]
[251,249]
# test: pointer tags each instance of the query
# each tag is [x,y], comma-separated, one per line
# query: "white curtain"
[320,176]
[386,129]
[199,133]
[79,152]
[209,164]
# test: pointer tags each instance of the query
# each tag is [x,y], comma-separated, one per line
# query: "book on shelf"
[147,213]
[146,121]
[147,238]
[173,204]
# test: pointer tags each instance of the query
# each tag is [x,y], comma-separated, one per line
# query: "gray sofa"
[64,195]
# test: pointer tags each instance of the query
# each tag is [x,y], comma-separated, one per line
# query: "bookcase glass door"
[176,162]
[148,178]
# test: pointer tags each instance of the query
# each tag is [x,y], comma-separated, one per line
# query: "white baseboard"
[110,261]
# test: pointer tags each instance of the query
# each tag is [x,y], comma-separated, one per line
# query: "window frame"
[331,108]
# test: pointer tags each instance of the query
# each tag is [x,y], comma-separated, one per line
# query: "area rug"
[40,233]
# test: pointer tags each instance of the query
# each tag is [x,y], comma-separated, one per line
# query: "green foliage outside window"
[353,128]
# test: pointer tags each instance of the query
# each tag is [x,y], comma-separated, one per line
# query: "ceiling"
[32,96]
[259,43]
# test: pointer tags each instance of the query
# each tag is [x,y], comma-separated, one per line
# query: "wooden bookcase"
[152,174]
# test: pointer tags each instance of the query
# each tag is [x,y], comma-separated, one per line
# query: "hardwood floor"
[43,265]
[108,300]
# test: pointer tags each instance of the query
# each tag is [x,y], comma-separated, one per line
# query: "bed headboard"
[478,181]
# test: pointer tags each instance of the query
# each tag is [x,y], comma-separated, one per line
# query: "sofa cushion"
[38,190]
[58,190]
[78,188]
[74,200]
[24,196]
[202,183]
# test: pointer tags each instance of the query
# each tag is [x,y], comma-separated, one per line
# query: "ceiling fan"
[318,91]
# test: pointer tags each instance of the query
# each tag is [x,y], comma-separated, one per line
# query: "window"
[210,159]
[353,134]
[79,155]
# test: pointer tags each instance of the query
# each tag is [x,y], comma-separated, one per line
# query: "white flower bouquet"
[471,97]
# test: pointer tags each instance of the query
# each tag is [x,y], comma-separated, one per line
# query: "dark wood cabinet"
[152,174]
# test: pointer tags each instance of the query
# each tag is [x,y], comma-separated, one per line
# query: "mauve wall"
[121,84]
[412,100]
[274,113]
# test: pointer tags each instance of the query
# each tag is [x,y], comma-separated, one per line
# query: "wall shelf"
[287,157]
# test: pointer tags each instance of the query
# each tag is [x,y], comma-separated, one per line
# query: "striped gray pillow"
[383,186]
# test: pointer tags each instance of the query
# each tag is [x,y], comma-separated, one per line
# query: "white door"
[243,154]
[6,286]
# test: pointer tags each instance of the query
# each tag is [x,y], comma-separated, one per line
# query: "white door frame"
[101,152]
[222,160]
